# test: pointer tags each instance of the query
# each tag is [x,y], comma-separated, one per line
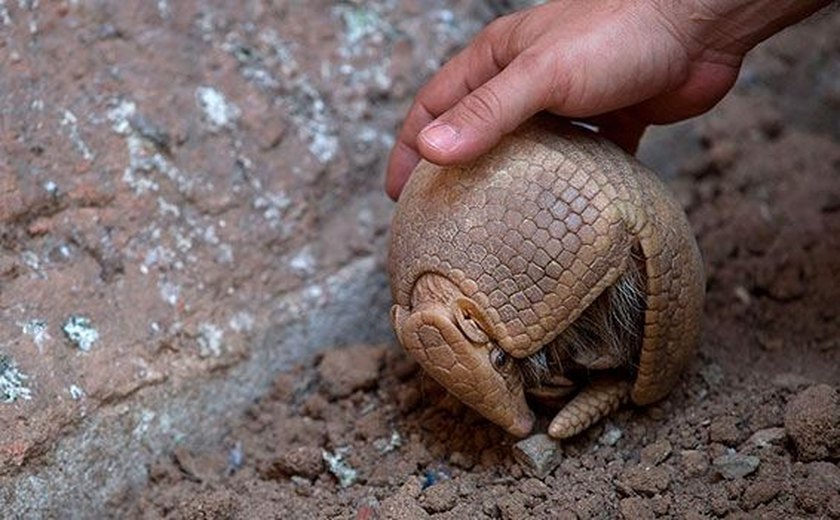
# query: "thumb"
[477,122]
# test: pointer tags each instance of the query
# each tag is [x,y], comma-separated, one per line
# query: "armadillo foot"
[597,400]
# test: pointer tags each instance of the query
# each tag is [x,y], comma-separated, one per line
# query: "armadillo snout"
[454,350]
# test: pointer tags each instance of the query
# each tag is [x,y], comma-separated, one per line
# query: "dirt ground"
[752,431]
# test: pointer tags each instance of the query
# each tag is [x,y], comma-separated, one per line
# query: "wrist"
[730,28]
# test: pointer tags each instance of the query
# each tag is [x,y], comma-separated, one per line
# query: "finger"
[401,163]
[485,57]
[477,122]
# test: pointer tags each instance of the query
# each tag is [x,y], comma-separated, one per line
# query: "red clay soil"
[752,431]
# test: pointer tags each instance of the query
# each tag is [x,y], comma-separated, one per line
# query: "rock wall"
[189,201]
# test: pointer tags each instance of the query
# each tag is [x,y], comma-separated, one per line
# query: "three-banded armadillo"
[554,265]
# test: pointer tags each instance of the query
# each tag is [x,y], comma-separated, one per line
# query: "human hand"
[619,65]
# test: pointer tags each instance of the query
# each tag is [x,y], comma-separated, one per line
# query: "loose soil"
[752,431]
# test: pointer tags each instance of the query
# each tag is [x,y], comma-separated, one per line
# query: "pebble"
[535,488]
[724,429]
[345,370]
[440,497]
[538,454]
[695,463]
[305,461]
[767,437]
[816,493]
[735,465]
[648,480]
[654,454]
[812,420]
[760,492]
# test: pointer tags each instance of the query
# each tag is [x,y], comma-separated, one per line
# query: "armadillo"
[556,268]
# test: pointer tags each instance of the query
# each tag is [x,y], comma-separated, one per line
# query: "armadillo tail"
[590,405]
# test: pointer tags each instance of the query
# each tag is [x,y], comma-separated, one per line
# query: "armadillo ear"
[472,320]
[466,316]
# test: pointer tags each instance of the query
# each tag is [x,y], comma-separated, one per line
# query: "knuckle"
[482,108]
[420,108]
[496,29]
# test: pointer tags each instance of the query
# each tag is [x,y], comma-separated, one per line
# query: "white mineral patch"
[303,262]
[210,340]
[71,122]
[164,10]
[273,206]
[31,259]
[169,291]
[37,330]
[308,111]
[143,156]
[12,385]
[119,116]
[360,23]
[345,474]
[242,321]
[76,392]
[220,113]
[167,208]
[80,332]
[5,19]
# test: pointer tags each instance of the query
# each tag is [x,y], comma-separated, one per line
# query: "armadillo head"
[446,333]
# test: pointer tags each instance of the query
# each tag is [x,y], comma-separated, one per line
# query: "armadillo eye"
[499,358]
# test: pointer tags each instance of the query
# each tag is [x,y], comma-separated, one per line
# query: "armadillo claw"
[594,402]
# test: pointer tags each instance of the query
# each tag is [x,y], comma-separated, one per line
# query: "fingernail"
[440,136]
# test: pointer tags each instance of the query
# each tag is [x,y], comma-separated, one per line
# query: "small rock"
[815,493]
[812,420]
[695,463]
[538,454]
[735,465]
[403,504]
[304,461]
[724,429]
[719,502]
[534,487]
[767,437]
[441,497]
[345,370]
[760,492]
[648,480]
[661,504]
[654,454]
[512,506]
